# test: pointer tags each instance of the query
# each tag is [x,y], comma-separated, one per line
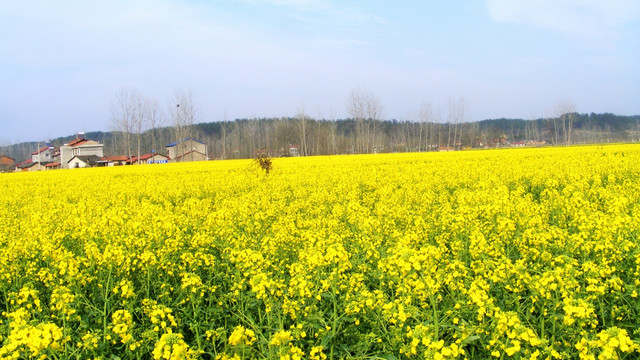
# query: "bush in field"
[263,160]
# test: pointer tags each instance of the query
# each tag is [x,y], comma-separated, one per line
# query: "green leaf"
[470,339]
[388,357]
[326,341]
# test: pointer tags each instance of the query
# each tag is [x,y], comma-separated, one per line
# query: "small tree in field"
[263,160]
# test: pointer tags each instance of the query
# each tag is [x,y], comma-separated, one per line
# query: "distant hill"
[305,136]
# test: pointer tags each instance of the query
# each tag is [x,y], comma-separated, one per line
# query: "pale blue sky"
[61,62]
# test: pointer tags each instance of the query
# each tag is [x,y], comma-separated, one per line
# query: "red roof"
[52,164]
[117,158]
[5,160]
[39,151]
[23,162]
[145,157]
[77,142]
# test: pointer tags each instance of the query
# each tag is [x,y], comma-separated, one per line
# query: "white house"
[79,147]
[42,155]
[81,161]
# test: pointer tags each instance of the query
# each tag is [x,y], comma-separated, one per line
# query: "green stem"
[436,322]
[197,326]
[104,308]
[334,326]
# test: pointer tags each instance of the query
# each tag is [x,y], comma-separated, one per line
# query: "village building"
[79,147]
[7,163]
[44,154]
[191,156]
[187,150]
[29,165]
[152,158]
[116,160]
[82,161]
[294,150]
[52,166]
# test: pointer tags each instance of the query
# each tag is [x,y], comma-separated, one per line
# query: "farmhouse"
[41,155]
[116,160]
[187,150]
[81,161]
[79,147]
[6,163]
[29,165]
[152,158]
[52,166]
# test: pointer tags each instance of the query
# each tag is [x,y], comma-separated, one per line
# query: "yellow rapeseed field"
[527,253]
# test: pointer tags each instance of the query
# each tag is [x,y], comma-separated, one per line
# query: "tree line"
[140,125]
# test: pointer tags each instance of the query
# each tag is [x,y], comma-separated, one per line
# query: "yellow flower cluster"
[522,253]
[122,325]
[608,344]
[242,335]
[26,340]
[172,347]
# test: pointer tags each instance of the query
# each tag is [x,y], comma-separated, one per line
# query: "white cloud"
[590,19]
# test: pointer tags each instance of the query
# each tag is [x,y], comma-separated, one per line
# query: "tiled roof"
[88,159]
[145,157]
[28,164]
[23,163]
[117,158]
[77,142]
[39,151]
[4,159]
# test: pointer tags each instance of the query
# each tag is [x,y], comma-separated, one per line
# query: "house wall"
[191,145]
[194,156]
[97,149]
[171,152]
[51,167]
[44,156]
[185,147]
[156,157]
[66,153]
[35,167]
[76,163]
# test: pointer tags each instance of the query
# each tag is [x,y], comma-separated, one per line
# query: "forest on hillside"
[305,136]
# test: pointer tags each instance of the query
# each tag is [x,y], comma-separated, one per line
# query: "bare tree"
[183,112]
[457,112]
[552,126]
[373,111]
[565,112]
[332,132]
[356,109]
[224,129]
[423,117]
[252,129]
[155,121]
[302,131]
[127,111]
[139,119]
[365,109]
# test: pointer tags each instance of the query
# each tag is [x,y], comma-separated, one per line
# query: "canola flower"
[523,253]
